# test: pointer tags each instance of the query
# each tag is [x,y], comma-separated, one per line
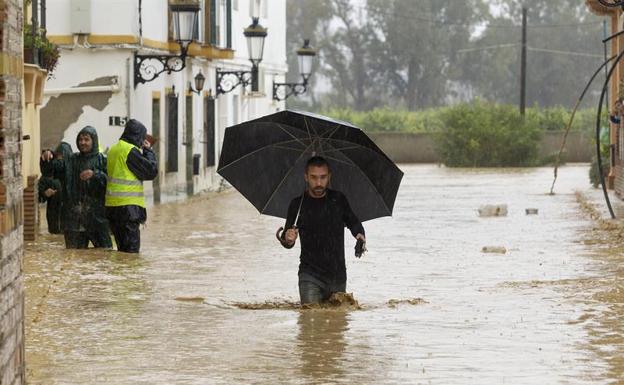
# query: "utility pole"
[523,64]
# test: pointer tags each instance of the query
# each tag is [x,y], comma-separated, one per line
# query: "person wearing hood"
[51,188]
[84,193]
[130,162]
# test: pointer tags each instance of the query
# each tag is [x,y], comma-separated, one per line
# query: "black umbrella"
[264,159]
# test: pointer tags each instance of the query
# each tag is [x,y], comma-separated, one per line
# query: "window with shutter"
[228,24]
[209,130]
[156,135]
[172,133]
[212,16]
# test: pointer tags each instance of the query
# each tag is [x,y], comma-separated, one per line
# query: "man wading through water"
[320,216]
[83,193]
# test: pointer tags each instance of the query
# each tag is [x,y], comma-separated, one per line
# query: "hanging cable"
[567,130]
[598,116]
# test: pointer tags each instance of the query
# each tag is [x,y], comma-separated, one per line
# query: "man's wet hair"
[317,161]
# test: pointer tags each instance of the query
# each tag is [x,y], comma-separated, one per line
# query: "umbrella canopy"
[264,159]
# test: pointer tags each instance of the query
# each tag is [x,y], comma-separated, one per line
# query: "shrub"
[477,133]
[482,134]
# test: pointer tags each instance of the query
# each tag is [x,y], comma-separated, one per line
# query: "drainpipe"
[43,18]
[34,29]
[140,23]
[129,74]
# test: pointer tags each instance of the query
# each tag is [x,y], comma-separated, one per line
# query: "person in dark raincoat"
[84,193]
[51,187]
[130,162]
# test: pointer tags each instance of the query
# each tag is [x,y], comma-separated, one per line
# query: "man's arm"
[143,165]
[49,164]
[351,220]
[290,220]
[96,183]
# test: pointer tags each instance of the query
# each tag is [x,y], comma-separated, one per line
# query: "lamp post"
[305,56]
[228,80]
[199,80]
[149,67]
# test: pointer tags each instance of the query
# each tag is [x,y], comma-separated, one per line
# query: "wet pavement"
[212,297]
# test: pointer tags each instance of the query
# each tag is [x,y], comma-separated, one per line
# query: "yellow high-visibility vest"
[123,187]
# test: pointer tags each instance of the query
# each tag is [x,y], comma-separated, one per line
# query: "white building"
[94,80]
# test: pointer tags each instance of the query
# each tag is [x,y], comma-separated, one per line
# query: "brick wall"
[31,209]
[11,192]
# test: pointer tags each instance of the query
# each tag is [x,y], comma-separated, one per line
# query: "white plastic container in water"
[493,211]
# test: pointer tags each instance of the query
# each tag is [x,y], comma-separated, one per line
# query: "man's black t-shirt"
[321,231]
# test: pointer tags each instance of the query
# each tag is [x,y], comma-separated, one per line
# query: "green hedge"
[487,135]
[389,120]
[474,134]
[430,120]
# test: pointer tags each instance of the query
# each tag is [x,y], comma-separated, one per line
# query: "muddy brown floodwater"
[212,298]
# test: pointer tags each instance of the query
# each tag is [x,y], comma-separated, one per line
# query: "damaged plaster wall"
[65,109]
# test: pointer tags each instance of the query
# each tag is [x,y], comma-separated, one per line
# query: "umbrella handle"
[278,234]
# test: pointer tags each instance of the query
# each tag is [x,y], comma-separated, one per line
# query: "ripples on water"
[435,309]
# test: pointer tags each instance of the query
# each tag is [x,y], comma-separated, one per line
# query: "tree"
[420,41]
[347,59]
[553,76]
[304,21]
[427,53]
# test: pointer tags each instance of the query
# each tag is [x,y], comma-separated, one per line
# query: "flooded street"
[435,309]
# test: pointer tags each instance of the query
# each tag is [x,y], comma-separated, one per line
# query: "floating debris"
[494,249]
[493,211]
[531,211]
[190,299]
[410,301]
[268,305]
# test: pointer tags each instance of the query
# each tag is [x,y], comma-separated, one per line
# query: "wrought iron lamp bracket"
[282,91]
[228,80]
[149,67]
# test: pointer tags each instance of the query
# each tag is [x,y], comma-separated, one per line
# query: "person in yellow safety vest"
[130,162]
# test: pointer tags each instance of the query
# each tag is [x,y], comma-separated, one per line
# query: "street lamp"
[149,67]
[228,80]
[199,83]
[281,91]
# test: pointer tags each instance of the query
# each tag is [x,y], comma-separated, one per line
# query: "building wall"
[119,16]
[11,190]
[65,114]
[30,147]
[106,51]
[32,96]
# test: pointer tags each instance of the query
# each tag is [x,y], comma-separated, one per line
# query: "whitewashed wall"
[82,63]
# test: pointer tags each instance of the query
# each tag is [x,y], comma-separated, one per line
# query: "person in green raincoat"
[84,193]
[51,187]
